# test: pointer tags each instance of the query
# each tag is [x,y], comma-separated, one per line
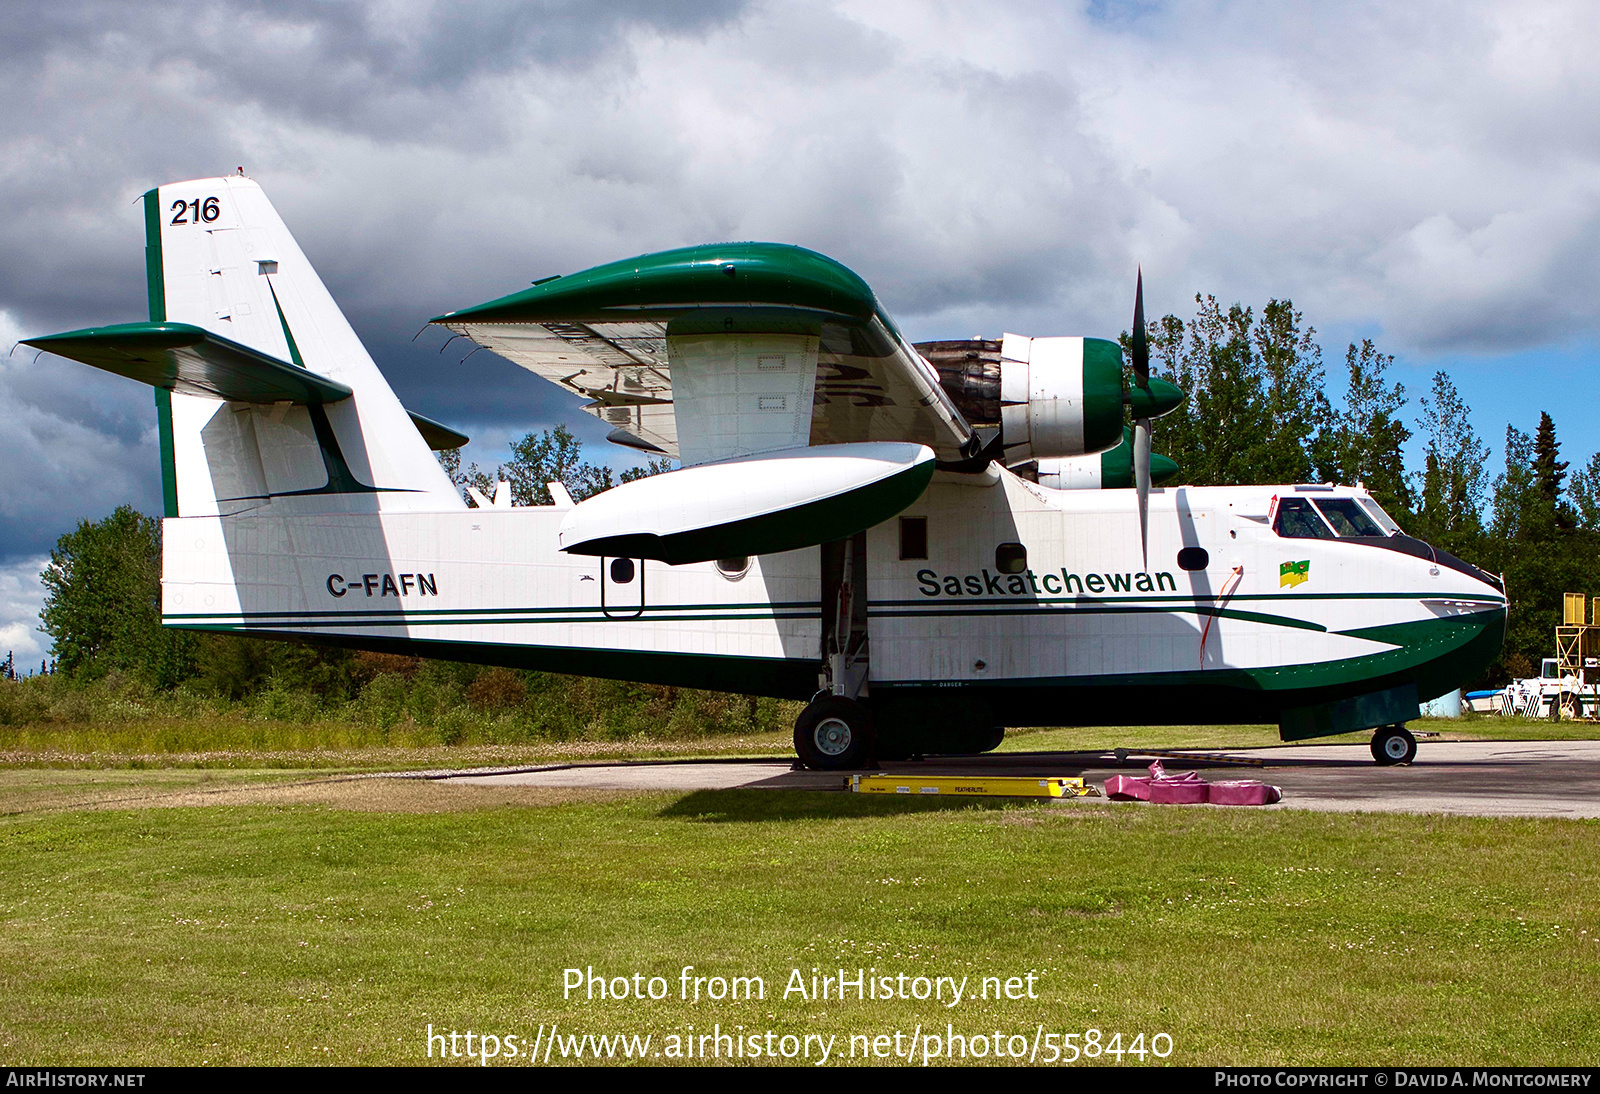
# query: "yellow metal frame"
[1570,644]
[1578,641]
[1000,786]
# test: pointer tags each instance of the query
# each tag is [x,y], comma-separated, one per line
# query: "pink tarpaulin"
[1128,788]
[1173,791]
[1244,792]
[1189,789]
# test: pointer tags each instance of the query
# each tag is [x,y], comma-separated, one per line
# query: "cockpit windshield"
[1375,511]
[1297,520]
[1356,519]
[1347,517]
[1332,518]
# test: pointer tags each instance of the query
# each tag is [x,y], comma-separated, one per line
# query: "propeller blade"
[1140,348]
[1141,482]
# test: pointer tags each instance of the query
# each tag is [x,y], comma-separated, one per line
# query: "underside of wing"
[186,359]
[719,351]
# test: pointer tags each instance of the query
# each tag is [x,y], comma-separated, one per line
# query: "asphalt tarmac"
[1476,778]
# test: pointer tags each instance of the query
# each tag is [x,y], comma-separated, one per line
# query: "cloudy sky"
[1424,174]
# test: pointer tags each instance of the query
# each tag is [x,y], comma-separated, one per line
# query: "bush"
[382,702]
[24,702]
[102,603]
[260,694]
[497,689]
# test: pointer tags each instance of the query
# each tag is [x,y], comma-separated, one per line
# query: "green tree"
[1513,488]
[1293,404]
[1450,499]
[651,467]
[1585,491]
[237,667]
[1227,397]
[1536,544]
[1549,510]
[1255,400]
[102,603]
[538,459]
[1362,444]
[450,460]
[553,456]
[1178,435]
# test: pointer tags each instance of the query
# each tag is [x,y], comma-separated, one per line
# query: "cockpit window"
[1375,511]
[1347,517]
[1297,520]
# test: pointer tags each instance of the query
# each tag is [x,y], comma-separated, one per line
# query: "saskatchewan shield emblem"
[1293,573]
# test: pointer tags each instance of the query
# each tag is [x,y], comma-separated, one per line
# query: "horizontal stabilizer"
[440,437]
[191,361]
[756,505]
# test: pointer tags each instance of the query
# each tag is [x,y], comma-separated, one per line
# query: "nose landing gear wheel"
[834,734]
[1393,745]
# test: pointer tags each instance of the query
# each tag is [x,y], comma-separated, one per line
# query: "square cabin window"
[1011,558]
[913,537]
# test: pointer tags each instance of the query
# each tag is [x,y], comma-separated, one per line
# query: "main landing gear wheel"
[1393,745]
[834,734]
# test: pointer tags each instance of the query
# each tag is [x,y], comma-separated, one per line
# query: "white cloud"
[76,445]
[982,160]
[1424,173]
[21,597]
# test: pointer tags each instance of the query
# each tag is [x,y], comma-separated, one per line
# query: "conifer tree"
[1549,510]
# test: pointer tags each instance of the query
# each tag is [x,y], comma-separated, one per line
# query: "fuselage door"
[622,587]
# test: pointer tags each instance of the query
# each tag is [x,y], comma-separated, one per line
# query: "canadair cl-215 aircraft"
[926,542]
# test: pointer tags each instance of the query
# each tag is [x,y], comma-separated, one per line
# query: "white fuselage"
[1258,611]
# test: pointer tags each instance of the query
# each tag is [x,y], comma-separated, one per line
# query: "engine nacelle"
[1059,397]
[1109,470]
[1051,397]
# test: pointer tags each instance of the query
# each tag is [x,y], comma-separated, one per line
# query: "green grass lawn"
[331,745]
[296,930]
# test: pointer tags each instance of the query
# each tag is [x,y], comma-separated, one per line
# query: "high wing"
[725,350]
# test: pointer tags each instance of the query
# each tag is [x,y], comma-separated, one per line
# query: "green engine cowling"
[1109,470]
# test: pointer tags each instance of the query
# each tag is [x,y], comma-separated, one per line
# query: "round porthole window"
[1193,558]
[733,568]
[621,570]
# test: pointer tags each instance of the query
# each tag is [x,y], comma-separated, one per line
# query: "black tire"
[1566,708]
[1393,745]
[834,734]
